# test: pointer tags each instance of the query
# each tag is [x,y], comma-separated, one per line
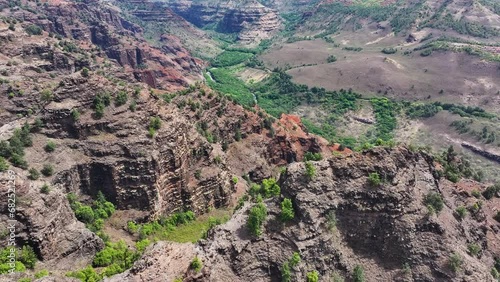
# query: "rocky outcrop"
[46,222]
[485,153]
[343,221]
[175,260]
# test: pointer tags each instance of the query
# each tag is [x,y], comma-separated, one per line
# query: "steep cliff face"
[249,19]
[343,221]
[47,223]
[100,25]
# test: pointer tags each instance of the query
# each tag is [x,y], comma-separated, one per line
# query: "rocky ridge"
[380,228]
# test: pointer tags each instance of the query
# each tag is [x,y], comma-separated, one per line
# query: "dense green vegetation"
[385,114]
[196,264]
[269,188]
[223,80]
[492,191]
[13,150]
[256,218]
[287,212]
[422,110]
[231,58]
[161,226]
[288,266]
[310,156]
[331,59]
[312,276]
[455,168]
[463,26]
[455,262]
[374,179]
[33,30]
[92,215]
[116,257]
[358,274]
[310,170]
[25,258]
[492,4]
[434,202]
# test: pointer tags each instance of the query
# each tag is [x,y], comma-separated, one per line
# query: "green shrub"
[309,156]
[331,59]
[455,262]
[494,272]
[492,191]
[87,274]
[461,212]
[358,274]
[46,95]
[37,125]
[312,276]
[133,106]
[5,149]
[294,260]
[75,115]
[374,179]
[132,227]
[476,194]
[434,200]
[355,49]
[99,110]
[47,170]
[286,273]
[287,212]
[196,264]
[476,207]
[28,257]
[151,132]
[406,268]
[3,164]
[5,267]
[389,50]
[33,30]
[45,189]
[50,146]
[474,249]
[115,253]
[41,273]
[331,220]
[121,98]
[256,219]
[84,214]
[310,170]
[155,123]
[18,161]
[85,72]
[426,52]
[269,188]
